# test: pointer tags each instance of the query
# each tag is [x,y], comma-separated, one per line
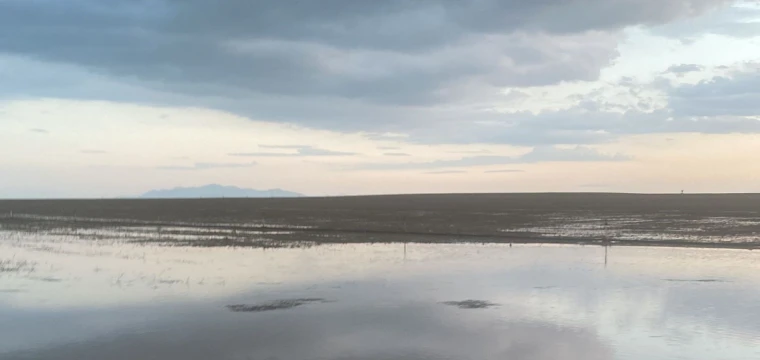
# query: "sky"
[344,97]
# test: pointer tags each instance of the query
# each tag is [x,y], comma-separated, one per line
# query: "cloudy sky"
[330,97]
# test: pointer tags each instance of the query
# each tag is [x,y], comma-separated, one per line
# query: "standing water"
[66,297]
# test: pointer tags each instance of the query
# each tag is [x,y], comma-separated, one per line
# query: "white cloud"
[300,151]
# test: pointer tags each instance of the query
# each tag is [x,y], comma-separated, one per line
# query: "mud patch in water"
[471,304]
[11,291]
[274,305]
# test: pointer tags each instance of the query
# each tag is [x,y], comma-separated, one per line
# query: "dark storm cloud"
[537,155]
[301,150]
[416,25]
[736,21]
[345,65]
[390,51]
[364,50]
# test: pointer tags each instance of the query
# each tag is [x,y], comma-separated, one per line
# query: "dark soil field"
[721,220]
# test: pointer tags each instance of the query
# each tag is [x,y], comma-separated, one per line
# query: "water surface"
[70,297]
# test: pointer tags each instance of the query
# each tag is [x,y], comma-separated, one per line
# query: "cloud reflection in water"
[411,331]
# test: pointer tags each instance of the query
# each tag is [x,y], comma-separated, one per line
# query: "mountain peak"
[217,191]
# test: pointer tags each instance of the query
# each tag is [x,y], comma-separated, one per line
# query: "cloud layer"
[417,68]
[393,51]
[537,155]
[730,97]
[208,166]
[145,89]
[300,150]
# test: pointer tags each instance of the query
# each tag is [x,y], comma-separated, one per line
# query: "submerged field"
[240,279]
[610,219]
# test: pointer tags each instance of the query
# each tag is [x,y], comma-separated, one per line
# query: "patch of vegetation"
[16,266]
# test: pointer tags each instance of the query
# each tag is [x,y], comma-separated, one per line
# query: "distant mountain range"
[217,191]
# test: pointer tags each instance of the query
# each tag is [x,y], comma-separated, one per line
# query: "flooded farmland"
[83,286]
[728,221]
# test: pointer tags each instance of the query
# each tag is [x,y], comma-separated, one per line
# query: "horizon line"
[303,196]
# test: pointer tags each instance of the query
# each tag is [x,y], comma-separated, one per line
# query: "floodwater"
[73,297]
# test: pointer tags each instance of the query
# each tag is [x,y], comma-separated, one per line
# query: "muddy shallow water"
[707,220]
[64,296]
